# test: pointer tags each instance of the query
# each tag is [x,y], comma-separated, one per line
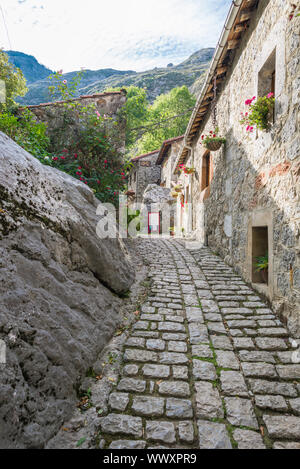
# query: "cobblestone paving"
[207,364]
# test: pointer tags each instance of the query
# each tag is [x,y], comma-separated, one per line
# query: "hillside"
[157,81]
[30,67]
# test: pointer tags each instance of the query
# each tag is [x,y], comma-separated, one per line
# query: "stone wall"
[167,175]
[53,114]
[144,172]
[256,176]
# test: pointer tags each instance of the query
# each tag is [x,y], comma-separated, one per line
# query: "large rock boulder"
[155,194]
[59,286]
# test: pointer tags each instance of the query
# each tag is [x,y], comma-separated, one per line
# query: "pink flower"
[62,157]
[97,114]
[79,173]
[65,82]
[75,156]
[270,95]
[248,102]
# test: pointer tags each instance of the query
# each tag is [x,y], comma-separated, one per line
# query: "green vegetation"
[262,263]
[92,157]
[14,79]
[148,125]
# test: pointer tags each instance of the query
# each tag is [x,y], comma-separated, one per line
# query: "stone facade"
[144,172]
[247,200]
[52,114]
[167,158]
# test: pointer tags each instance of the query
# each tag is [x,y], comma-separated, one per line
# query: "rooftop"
[237,23]
[165,146]
[140,157]
[89,96]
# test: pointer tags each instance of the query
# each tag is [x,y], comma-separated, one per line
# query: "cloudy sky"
[122,34]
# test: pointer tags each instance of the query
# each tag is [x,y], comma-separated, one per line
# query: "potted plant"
[262,266]
[178,188]
[174,194]
[172,231]
[188,170]
[213,141]
[259,113]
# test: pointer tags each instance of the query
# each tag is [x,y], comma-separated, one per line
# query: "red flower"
[79,173]
[62,157]
[55,159]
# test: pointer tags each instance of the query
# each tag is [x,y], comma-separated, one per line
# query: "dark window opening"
[134,177]
[260,253]
[206,170]
[267,79]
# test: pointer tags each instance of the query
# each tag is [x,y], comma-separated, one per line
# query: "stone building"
[166,159]
[144,172]
[107,104]
[245,197]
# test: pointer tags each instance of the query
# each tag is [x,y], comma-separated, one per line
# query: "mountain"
[191,73]
[30,67]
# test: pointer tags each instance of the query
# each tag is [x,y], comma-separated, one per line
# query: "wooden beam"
[245,15]
[209,95]
[221,70]
[202,109]
[240,27]
[233,44]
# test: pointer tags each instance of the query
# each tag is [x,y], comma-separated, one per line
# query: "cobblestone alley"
[207,365]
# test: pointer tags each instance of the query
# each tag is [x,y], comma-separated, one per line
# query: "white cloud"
[131,34]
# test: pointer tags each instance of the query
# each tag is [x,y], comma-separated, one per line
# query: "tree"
[15,82]
[168,117]
[136,112]
[149,125]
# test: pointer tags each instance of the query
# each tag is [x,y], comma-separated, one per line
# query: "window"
[260,249]
[267,76]
[206,171]
[267,79]
[134,177]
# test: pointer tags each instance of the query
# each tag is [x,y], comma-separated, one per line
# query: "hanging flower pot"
[174,194]
[212,141]
[178,189]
